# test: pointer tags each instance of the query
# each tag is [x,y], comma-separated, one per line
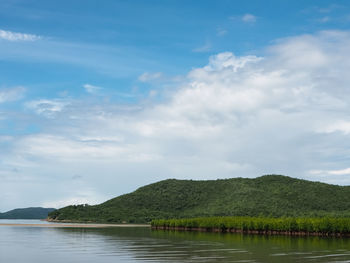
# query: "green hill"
[269,195]
[27,213]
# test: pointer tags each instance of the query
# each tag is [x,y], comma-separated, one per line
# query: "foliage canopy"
[27,213]
[269,196]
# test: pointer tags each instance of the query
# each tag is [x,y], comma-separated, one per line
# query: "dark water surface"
[104,245]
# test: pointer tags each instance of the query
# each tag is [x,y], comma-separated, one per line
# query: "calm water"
[32,244]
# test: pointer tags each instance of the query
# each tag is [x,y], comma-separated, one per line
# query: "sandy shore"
[76,225]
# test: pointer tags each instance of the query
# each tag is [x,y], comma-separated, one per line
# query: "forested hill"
[269,195]
[27,213]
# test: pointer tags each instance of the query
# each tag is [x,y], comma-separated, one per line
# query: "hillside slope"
[270,195]
[27,213]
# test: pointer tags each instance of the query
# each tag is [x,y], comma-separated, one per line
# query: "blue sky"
[106,96]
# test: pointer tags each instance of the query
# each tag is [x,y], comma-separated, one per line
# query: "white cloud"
[11,94]
[70,149]
[14,36]
[340,172]
[47,107]
[328,9]
[345,171]
[249,18]
[225,60]
[236,116]
[246,97]
[91,88]
[106,60]
[147,77]
[324,19]
[337,126]
[221,32]
[205,48]
[87,196]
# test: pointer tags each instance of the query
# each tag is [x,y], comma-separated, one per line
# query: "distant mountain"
[270,195]
[27,213]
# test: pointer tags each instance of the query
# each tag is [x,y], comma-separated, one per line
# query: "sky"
[98,98]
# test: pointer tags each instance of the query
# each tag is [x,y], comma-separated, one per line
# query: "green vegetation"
[324,225]
[266,196]
[27,213]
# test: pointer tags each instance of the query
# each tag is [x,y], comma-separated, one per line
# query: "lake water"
[105,245]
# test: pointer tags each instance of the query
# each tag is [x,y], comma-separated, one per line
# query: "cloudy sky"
[98,98]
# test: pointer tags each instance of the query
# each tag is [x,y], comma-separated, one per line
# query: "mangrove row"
[262,225]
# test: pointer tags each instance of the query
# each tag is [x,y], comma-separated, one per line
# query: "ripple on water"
[143,245]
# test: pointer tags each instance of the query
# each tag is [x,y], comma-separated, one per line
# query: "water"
[105,245]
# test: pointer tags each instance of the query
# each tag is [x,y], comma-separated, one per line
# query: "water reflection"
[144,245]
[172,246]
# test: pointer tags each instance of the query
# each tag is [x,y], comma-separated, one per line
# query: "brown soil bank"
[255,232]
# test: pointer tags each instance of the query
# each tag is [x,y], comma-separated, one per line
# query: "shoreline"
[73,225]
[253,232]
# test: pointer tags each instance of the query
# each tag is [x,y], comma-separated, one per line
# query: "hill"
[27,213]
[269,195]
